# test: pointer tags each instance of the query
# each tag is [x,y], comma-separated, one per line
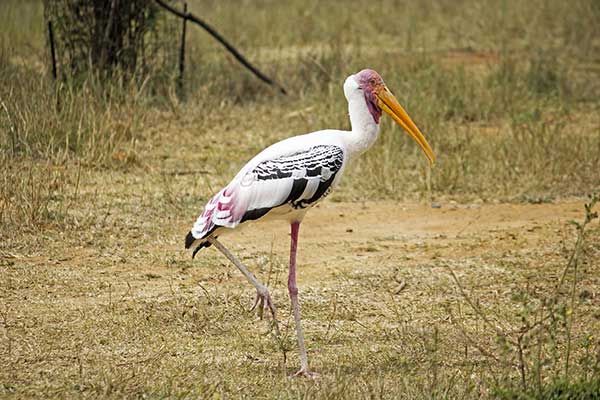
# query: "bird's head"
[379,98]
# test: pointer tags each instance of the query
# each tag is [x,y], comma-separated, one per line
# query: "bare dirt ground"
[338,236]
[117,318]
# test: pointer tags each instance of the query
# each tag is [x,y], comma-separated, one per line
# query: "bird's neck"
[364,128]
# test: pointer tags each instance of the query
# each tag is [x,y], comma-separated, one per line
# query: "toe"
[306,373]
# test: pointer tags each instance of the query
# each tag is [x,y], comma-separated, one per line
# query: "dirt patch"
[329,229]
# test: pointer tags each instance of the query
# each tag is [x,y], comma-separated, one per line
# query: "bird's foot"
[263,303]
[306,373]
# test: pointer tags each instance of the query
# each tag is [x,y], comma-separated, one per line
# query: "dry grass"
[97,189]
[120,310]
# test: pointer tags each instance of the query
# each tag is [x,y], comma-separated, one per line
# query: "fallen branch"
[191,17]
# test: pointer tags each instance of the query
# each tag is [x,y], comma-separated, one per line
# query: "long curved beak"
[388,103]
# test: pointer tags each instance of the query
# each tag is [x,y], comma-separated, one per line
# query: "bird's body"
[289,177]
[283,181]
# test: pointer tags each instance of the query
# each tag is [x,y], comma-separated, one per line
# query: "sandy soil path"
[334,232]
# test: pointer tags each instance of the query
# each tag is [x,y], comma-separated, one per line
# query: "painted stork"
[289,177]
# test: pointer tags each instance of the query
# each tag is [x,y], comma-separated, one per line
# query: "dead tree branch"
[191,17]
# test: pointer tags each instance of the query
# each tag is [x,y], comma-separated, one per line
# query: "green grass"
[100,180]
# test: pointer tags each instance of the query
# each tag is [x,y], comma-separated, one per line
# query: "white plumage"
[250,191]
[289,177]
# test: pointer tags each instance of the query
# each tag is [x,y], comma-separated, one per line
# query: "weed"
[540,347]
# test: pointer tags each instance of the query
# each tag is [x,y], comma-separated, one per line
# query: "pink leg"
[293,289]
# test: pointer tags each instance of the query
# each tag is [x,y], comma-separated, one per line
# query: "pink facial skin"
[371,82]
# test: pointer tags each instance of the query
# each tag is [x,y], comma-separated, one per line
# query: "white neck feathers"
[364,129]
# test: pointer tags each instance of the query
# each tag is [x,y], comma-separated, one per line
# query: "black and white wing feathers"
[298,179]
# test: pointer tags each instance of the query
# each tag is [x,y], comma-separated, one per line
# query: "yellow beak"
[388,103]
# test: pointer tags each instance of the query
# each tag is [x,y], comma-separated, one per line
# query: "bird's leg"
[293,289]
[262,293]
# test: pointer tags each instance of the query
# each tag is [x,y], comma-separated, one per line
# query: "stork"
[288,178]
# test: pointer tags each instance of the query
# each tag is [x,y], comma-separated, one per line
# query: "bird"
[288,178]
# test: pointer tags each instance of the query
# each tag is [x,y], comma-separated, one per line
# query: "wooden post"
[182,53]
[52,49]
